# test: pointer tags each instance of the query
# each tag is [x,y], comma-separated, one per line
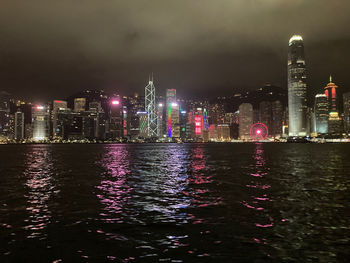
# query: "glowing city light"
[160,104]
[174,104]
[115,102]
[258,131]
[39,107]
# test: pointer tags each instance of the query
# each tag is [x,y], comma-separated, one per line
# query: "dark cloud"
[53,48]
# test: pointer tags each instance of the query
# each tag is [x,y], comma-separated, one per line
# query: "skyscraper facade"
[331,93]
[245,120]
[150,107]
[346,107]
[321,114]
[19,125]
[41,123]
[297,88]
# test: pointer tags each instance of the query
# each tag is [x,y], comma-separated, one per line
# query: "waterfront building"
[143,122]
[277,119]
[331,94]
[346,108]
[115,119]
[297,88]
[334,124]
[57,106]
[170,103]
[19,125]
[160,119]
[4,115]
[265,114]
[79,104]
[150,107]
[245,120]
[321,114]
[223,132]
[41,123]
[334,120]
[174,120]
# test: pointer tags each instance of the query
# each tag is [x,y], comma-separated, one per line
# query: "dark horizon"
[50,51]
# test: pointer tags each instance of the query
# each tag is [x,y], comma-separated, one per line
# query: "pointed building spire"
[330,79]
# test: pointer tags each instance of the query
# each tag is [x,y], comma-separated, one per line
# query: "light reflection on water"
[176,203]
[114,186]
[41,187]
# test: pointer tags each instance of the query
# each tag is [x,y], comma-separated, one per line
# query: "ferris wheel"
[258,131]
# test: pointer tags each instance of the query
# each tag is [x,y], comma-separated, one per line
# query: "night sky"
[200,47]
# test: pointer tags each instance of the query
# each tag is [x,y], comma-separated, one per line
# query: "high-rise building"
[223,132]
[79,104]
[334,120]
[58,106]
[4,115]
[174,120]
[265,114]
[41,123]
[143,123]
[19,125]
[245,120]
[150,107]
[297,88]
[346,107]
[170,102]
[331,93]
[277,119]
[321,114]
[160,119]
[115,119]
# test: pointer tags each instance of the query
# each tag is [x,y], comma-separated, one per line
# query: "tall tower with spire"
[150,108]
[334,120]
[331,94]
[297,88]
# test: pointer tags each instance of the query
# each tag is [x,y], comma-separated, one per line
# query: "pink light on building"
[198,126]
[115,102]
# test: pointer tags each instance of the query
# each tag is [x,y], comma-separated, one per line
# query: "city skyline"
[48,53]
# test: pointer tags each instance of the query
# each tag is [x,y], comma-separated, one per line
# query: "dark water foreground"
[175,203]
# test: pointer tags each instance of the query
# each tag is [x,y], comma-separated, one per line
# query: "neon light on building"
[169,120]
[198,125]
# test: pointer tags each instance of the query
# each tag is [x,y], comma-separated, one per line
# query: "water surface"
[175,203]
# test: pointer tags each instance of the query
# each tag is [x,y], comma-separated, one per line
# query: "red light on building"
[334,93]
[326,92]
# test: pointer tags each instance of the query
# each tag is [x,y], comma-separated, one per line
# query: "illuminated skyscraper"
[170,115]
[346,101]
[19,125]
[334,120]
[321,114]
[40,120]
[245,120]
[143,123]
[331,93]
[297,88]
[57,125]
[150,107]
[115,119]
[277,119]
